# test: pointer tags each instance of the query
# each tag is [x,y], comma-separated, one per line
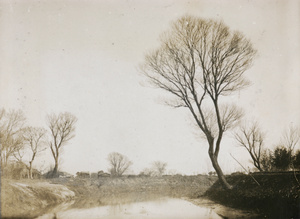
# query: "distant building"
[83,175]
[101,173]
[65,175]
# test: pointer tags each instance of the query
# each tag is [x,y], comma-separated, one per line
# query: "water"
[164,208]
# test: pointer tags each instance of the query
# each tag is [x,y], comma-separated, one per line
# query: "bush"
[279,159]
[277,196]
[296,160]
[282,158]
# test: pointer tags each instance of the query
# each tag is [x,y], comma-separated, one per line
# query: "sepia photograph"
[139,109]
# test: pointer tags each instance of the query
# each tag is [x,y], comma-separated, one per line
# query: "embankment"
[276,196]
[30,198]
[125,189]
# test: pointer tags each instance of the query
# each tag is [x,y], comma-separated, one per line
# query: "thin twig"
[245,169]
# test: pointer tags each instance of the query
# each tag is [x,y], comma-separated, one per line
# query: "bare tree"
[118,164]
[290,137]
[34,138]
[252,138]
[159,167]
[11,138]
[62,130]
[200,61]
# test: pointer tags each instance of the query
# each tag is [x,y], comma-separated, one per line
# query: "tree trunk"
[30,170]
[258,167]
[219,171]
[54,173]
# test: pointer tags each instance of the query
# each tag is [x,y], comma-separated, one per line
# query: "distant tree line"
[157,168]
[119,164]
[20,144]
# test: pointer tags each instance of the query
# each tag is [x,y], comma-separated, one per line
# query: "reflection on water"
[166,208]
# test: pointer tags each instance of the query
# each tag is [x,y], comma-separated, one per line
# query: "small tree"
[34,138]
[290,137]
[119,164]
[266,160]
[159,168]
[62,130]
[252,139]
[11,134]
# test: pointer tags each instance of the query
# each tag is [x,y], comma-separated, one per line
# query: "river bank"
[273,195]
[32,198]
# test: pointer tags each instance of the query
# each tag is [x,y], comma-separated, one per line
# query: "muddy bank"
[30,198]
[276,195]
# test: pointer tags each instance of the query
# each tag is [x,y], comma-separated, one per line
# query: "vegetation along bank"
[275,195]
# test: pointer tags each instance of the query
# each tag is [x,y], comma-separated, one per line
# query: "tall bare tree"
[62,130]
[11,137]
[118,164]
[252,138]
[200,61]
[35,138]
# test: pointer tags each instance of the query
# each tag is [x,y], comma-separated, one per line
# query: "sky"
[83,57]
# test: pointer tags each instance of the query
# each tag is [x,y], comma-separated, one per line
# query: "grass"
[277,196]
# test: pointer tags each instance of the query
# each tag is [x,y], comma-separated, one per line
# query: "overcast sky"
[83,57]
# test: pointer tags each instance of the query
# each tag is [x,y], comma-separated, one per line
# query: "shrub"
[282,158]
[296,160]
